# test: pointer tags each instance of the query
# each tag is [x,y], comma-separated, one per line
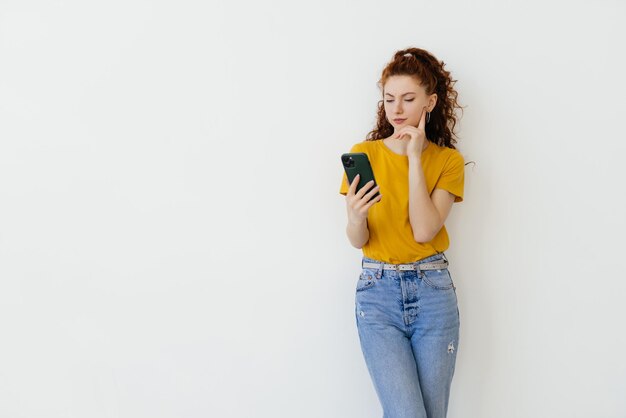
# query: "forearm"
[423,214]
[358,234]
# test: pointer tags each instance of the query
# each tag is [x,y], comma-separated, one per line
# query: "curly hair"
[431,75]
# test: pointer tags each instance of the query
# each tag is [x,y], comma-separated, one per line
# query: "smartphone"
[357,163]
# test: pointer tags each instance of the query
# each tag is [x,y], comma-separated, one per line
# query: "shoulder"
[449,156]
[367,147]
[455,158]
[453,154]
[362,146]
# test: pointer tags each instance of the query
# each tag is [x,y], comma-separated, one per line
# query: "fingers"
[422,119]
[371,193]
[352,187]
[361,197]
[364,201]
[364,189]
[371,202]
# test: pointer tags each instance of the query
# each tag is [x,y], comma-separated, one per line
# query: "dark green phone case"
[357,163]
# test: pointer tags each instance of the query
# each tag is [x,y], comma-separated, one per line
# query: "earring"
[427,117]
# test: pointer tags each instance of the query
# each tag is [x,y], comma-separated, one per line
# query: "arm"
[425,215]
[358,233]
[358,206]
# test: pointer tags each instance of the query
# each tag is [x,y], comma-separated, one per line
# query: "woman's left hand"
[416,136]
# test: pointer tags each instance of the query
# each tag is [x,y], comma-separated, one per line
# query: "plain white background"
[172,238]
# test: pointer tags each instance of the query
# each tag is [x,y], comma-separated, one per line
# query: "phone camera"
[347,161]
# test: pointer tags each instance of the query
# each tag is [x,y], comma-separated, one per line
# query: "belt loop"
[379,273]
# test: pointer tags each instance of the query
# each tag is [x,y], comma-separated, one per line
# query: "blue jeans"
[408,325]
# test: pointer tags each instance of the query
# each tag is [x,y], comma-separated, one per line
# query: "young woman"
[405,304]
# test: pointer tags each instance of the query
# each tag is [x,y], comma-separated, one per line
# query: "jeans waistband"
[434,257]
[435,261]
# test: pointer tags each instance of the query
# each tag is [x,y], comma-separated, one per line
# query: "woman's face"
[405,99]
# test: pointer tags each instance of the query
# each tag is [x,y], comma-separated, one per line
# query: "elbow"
[358,246]
[423,235]
[420,238]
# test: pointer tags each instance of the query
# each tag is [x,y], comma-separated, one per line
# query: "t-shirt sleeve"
[344,181]
[453,177]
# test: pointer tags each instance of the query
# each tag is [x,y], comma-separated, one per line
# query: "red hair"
[431,75]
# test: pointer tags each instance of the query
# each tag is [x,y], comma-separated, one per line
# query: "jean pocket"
[367,279]
[437,279]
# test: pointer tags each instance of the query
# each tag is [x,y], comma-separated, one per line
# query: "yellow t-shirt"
[390,233]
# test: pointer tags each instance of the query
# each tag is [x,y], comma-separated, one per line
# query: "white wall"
[172,237]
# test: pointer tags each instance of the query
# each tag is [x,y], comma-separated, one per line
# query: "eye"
[410,100]
[389,101]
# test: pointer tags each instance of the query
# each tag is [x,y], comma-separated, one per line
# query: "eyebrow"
[411,92]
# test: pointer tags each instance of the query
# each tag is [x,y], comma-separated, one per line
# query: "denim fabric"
[408,326]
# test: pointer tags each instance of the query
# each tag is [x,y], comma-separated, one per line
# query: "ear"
[432,101]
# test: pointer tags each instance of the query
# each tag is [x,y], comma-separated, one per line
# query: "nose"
[398,108]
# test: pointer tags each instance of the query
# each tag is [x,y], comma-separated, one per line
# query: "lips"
[399,120]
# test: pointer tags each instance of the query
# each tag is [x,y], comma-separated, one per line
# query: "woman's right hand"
[357,203]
